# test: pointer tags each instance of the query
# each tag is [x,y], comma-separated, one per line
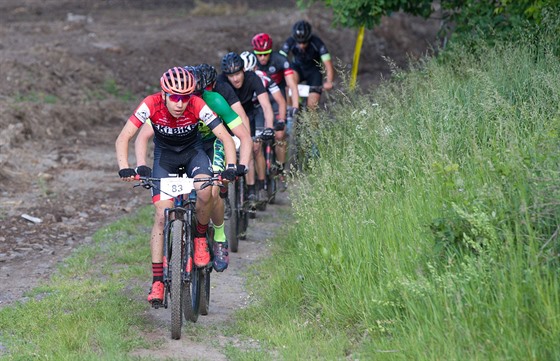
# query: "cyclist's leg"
[314,79]
[199,166]
[156,239]
[217,156]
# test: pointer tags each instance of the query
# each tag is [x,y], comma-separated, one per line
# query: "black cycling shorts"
[166,162]
[312,76]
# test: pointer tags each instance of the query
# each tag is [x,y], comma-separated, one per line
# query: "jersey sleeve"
[221,107]
[204,113]
[142,114]
[285,49]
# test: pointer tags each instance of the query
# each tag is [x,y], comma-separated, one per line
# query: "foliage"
[368,13]
[487,18]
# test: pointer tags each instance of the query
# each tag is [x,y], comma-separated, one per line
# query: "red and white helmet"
[178,81]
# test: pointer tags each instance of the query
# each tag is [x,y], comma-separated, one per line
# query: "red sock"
[157,271]
[201,229]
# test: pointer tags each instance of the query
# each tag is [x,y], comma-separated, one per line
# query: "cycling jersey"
[174,134]
[311,56]
[219,105]
[277,68]
[225,90]
[252,84]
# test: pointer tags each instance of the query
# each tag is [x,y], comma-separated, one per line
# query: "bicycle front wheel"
[176,284]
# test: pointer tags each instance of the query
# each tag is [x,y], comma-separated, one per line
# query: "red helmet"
[262,43]
[178,81]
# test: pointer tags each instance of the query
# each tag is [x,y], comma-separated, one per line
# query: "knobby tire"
[191,289]
[176,284]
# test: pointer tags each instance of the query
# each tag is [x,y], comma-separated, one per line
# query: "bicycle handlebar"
[147,182]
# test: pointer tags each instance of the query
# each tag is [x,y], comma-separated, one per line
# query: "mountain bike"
[187,287]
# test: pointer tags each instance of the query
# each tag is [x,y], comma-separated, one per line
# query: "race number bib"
[172,187]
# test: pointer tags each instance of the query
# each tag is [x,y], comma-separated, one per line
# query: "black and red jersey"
[176,134]
[277,68]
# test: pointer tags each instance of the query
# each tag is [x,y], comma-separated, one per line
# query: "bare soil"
[72,73]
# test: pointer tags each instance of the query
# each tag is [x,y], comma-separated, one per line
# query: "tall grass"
[427,227]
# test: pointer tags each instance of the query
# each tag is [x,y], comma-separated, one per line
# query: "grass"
[424,230]
[89,310]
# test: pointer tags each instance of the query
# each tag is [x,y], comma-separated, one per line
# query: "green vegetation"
[86,312]
[427,229]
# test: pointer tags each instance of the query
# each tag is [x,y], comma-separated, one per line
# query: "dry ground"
[73,71]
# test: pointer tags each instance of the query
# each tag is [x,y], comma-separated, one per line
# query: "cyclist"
[215,150]
[277,67]
[245,85]
[250,62]
[309,52]
[174,114]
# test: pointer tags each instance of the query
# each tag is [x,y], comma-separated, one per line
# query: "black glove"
[144,171]
[280,125]
[229,173]
[241,170]
[267,134]
[127,173]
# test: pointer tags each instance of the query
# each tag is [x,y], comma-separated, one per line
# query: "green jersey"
[220,106]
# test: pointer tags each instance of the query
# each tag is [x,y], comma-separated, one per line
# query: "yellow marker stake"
[357,51]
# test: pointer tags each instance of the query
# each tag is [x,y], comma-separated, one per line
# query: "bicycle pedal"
[157,304]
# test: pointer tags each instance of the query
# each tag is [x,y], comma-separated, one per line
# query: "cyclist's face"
[176,106]
[263,58]
[236,79]
[302,46]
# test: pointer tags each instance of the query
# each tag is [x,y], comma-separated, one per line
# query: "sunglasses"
[175,98]
[262,55]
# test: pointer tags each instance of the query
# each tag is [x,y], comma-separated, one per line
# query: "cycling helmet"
[301,31]
[249,59]
[232,63]
[208,74]
[262,43]
[198,77]
[177,81]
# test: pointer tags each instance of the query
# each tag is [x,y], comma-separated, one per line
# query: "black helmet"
[198,76]
[301,31]
[232,63]
[208,74]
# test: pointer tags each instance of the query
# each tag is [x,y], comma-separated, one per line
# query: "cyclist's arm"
[267,110]
[121,144]
[246,148]
[328,84]
[229,146]
[279,98]
[292,85]
[141,143]
[238,108]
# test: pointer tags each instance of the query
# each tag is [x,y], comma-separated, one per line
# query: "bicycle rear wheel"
[176,282]
[205,289]
[191,287]
[233,221]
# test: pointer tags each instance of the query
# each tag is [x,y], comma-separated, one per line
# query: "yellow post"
[357,51]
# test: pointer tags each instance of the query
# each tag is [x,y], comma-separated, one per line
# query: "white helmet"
[250,60]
